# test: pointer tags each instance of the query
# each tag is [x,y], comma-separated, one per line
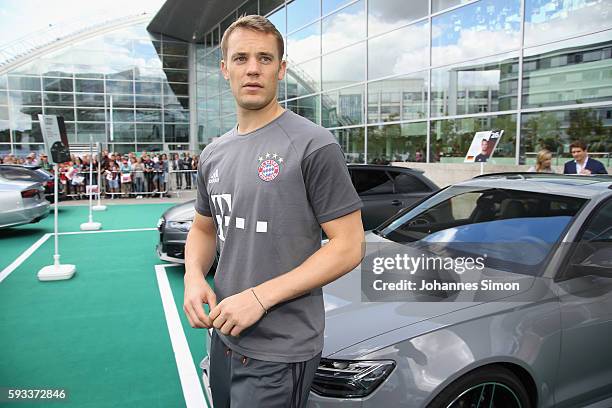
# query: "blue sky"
[22,17]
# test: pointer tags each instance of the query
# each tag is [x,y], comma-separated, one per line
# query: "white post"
[90,225]
[56,271]
[481,168]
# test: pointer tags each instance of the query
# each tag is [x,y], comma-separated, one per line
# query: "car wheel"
[486,387]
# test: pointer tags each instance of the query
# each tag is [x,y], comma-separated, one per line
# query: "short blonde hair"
[254,23]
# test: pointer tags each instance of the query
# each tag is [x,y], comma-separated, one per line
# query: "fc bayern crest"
[269,166]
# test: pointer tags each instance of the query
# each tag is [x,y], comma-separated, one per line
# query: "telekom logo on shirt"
[223,211]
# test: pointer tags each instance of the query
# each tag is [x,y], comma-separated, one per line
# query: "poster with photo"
[483,145]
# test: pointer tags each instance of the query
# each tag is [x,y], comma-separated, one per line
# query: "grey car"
[21,202]
[384,190]
[548,344]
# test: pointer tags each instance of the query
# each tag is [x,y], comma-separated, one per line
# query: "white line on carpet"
[190,381]
[15,264]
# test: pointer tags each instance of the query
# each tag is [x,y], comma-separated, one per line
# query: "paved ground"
[113,335]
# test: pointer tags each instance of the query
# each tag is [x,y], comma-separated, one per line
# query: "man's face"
[578,154]
[484,145]
[253,68]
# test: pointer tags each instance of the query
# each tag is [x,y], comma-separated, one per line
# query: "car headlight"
[184,226]
[160,222]
[350,379]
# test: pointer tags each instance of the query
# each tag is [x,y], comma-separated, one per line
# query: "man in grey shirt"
[265,190]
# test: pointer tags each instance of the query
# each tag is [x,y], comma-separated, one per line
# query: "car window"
[407,183]
[592,253]
[485,218]
[15,173]
[372,182]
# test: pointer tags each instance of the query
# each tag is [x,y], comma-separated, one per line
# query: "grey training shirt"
[268,191]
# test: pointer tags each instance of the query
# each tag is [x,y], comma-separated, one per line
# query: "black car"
[384,190]
[27,172]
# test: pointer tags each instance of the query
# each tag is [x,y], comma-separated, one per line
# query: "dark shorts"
[238,381]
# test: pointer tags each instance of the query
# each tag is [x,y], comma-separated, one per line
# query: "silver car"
[21,202]
[548,344]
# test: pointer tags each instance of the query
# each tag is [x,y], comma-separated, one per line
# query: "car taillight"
[29,193]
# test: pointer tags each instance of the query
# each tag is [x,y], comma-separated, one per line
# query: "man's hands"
[236,313]
[197,292]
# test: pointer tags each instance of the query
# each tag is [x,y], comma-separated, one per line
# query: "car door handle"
[396,202]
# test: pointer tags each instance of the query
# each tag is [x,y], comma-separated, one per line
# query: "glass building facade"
[126,88]
[414,82]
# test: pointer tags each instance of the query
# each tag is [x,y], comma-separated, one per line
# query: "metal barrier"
[133,184]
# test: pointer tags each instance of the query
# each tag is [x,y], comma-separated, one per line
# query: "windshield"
[477,220]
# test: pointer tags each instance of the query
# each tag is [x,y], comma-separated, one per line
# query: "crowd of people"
[127,175]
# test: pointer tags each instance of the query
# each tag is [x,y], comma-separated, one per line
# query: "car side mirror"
[599,263]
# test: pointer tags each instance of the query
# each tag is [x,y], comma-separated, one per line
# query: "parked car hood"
[181,212]
[349,320]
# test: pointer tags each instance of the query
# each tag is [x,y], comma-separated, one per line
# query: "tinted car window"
[407,183]
[372,182]
[599,228]
[482,219]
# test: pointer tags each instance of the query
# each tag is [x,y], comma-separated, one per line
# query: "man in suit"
[582,164]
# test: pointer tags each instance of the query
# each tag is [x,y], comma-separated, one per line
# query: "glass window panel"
[344,67]
[58,99]
[122,73]
[124,148]
[266,6]
[175,62]
[385,15]
[331,5]
[150,147]
[439,5]
[149,132]
[304,44]
[352,143]
[27,132]
[398,52]
[91,115]
[149,101]
[227,22]
[304,79]
[90,100]
[451,138]
[89,86]
[228,104]
[343,107]
[24,83]
[278,19]
[24,113]
[176,116]
[175,48]
[397,142]
[250,7]
[145,115]
[176,133]
[399,98]
[82,71]
[5,132]
[96,131]
[120,87]
[307,107]
[57,84]
[547,20]
[148,88]
[569,72]
[3,98]
[216,37]
[177,76]
[480,86]
[123,115]
[4,113]
[174,102]
[177,89]
[25,149]
[66,113]
[483,28]
[3,82]
[123,132]
[555,130]
[344,27]
[301,12]
[121,101]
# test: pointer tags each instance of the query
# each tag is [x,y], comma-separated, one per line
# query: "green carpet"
[101,335]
